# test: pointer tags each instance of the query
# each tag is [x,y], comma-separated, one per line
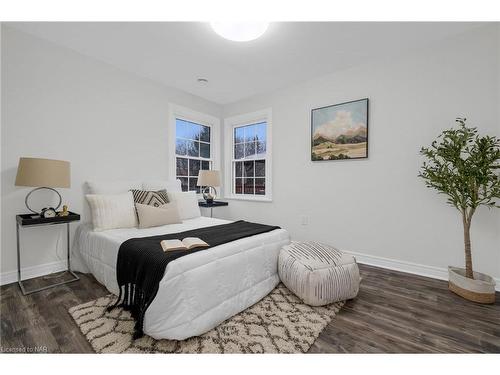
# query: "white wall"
[59,104]
[378,206]
[112,125]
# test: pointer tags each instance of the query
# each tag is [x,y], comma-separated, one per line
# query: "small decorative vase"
[481,289]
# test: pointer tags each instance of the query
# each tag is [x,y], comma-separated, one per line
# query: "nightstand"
[30,220]
[212,205]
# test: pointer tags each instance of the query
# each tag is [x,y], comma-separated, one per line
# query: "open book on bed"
[187,243]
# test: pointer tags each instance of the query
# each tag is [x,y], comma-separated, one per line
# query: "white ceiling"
[177,53]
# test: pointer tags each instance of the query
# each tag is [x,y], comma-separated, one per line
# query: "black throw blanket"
[141,263]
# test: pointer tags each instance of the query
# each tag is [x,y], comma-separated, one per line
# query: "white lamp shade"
[208,178]
[36,172]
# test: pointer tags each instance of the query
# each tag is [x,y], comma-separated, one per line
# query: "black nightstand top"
[214,204]
[34,219]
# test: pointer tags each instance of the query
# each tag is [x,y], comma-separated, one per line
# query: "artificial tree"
[464,166]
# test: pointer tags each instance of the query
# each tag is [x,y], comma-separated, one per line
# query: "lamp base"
[39,188]
[208,196]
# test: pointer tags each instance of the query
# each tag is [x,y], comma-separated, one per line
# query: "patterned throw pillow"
[149,197]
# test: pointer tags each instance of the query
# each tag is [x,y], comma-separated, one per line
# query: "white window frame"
[184,113]
[241,120]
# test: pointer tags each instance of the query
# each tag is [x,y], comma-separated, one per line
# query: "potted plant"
[464,166]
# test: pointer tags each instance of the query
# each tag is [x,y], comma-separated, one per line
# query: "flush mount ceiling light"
[240,31]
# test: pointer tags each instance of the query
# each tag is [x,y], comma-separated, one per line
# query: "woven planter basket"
[481,289]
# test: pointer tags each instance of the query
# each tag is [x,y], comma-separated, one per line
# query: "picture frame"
[340,131]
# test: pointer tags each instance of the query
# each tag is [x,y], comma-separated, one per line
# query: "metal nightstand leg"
[19,279]
[19,260]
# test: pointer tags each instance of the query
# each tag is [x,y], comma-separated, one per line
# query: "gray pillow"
[150,216]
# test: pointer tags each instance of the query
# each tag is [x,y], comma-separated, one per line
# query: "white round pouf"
[318,274]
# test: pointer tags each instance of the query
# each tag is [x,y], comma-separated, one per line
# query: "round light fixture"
[240,31]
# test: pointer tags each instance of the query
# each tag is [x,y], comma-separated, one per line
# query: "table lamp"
[209,179]
[43,174]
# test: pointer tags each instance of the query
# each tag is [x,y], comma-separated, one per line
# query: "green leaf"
[464,166]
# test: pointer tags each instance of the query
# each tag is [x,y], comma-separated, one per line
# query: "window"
[194,149]
[192,152]
[250,153]
[249,159]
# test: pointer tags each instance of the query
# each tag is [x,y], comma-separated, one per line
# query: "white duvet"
[198,291]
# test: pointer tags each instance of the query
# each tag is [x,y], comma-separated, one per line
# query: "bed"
[198,291]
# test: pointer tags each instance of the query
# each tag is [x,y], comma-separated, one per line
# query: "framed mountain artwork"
[340,131]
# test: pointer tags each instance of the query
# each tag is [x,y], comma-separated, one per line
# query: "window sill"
[249,198]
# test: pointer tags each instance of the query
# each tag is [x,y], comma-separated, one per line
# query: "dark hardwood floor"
[397,312]
[393,313]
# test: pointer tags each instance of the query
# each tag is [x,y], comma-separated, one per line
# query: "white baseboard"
[34,271]
[408,267]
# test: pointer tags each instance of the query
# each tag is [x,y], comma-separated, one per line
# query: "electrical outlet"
[304,220]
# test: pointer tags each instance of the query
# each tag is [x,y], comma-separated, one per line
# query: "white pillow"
[187,203]
[150,216]
[112,211]
[168,185]
[112,187]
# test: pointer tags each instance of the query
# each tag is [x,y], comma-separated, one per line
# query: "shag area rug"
[279,323]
